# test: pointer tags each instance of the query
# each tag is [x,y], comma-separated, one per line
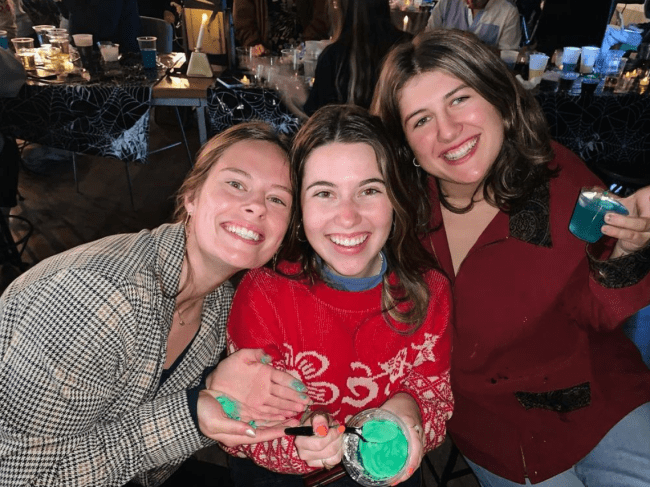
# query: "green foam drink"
[382,458]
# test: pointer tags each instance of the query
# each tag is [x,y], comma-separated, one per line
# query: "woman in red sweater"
[548,389]
[358,314]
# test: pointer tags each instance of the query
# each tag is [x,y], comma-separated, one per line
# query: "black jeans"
[245,473]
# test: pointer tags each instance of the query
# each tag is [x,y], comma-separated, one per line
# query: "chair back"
[161,29]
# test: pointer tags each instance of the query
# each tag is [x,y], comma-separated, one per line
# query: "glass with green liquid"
[383,457]
[589,213]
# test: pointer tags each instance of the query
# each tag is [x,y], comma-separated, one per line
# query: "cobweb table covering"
[230,106]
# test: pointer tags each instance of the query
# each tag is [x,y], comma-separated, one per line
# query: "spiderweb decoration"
[106,119]
[228,107]
[604,130]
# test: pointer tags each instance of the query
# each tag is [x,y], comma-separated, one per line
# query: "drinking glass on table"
[536,65]
[509,56]
[148,50]
[588,57]
[41,33]
[570,57]
[24,47]
[84,44]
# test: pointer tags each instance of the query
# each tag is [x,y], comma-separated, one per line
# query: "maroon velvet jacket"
[540,368]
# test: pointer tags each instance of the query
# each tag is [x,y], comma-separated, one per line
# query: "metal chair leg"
[74,170]
[187,146]
[128,178]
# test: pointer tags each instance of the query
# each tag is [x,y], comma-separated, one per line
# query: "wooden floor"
[64,218]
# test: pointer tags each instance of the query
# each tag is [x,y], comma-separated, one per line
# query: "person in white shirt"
[495,22]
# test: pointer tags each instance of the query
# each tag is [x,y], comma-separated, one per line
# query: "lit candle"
[406,22]
[245,80]
[199,41]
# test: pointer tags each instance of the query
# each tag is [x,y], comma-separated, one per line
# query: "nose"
[256,204]
[348,214]
[448,127]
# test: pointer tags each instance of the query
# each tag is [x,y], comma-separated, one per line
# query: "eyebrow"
[445,97]
[332,185]
[248,176]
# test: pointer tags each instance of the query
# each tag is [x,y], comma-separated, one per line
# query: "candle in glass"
[199,41]
[406,23]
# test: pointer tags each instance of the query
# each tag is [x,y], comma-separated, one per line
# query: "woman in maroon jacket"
[546,384]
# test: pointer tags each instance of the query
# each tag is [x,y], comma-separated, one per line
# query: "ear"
[189,203]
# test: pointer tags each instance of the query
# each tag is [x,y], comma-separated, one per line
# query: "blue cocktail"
[589,213]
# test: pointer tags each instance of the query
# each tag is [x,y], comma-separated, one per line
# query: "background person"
[347,69]
[358,313]
[495,22]
[107,20]
[548,389]
[272,25]
[105,347]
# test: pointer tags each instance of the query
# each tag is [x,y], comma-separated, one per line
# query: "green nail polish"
[266,359]
[253,424]
[303,396]
[298,386]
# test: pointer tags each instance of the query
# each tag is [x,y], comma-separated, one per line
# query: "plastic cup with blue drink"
[570,57]
[148,50]
[4,40]
[379,456]
[589,213]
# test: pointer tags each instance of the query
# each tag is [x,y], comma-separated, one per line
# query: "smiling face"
[240,214]
[455,134]
[346,212]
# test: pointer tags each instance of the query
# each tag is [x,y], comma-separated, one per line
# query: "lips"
[454,155]
[243,232]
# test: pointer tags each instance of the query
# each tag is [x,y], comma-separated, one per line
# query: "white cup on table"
[536,65]
[588,59]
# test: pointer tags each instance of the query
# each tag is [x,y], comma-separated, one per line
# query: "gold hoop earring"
[415,162]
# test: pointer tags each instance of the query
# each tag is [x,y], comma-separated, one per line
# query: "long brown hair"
[405,256]
[522,162]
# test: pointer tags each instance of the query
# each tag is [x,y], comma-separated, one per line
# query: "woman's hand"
[325,448]
[405,407]
[215,424]
[267,393]
[633,230]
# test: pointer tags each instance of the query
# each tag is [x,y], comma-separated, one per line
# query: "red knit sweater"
[340,346]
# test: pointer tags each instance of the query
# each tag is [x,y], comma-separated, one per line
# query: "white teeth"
[243,232]
[462,151]
[348,242]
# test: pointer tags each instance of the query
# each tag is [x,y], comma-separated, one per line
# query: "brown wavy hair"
[405,256]
[521,165]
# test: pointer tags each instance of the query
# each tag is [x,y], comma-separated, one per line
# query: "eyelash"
[455,101]
[273,199]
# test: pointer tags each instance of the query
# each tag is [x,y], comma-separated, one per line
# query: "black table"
[610,132]
[105,116]
[230,106]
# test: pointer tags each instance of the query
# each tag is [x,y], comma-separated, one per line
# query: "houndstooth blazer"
[82,341]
